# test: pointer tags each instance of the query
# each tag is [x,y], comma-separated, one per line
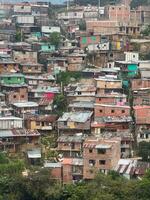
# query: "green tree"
[60,103]
[18,36]
[66,77]
[146,31]
[55,39]
[82,25]
[144,150]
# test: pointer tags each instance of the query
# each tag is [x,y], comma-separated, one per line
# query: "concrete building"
[100,155]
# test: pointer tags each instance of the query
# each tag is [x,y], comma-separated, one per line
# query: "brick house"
[104,110]
[100,155]
[72,169]
[141,91]
[26,56]
[22,108]
[116,99]
[137,84]
[13,140]
[44,124]
[76,62]
[142,115]
[75,121]
[82,92]
[101,125]
[102,27]
[8,66]
[14,87]
[70,146]
[108,85]
[119,13]
[33,80]
[31,68]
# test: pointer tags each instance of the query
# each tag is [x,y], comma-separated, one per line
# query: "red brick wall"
[111,158]
[104,111]
[66,146]
[119,13]
[67,173]
[16,96]
[142,114]
[56,173]
[138,83]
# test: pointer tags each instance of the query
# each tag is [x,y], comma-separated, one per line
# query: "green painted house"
[12,79]
[47,47]
[128,70]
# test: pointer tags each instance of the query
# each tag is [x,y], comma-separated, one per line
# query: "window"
[100,99]
[101,151]
[146,136]
[14,96]
[112,111]
[79,93]
[9,78]
[90,150]
[42,123]
[102,162]
[22,96]
[92,162]
[111,55]
[100,111]
[73,145]
[123,111]
[65,123]
[113,8]
[37,123]
[123,150]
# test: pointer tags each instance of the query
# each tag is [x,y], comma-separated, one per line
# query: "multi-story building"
[100,155]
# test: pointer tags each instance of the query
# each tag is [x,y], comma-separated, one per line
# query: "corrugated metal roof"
[26,104]
[18,133]
[82,104]
[103,146]
[52,165]
[34,153]
[69,139]
[11,118]
[76,117]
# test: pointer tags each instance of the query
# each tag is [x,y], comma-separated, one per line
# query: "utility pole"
[67,5]
[99,5]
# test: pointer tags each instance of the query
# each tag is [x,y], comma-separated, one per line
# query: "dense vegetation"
[40,185]
[65,78]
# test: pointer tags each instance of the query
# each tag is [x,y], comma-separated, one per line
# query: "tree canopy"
[55,38]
